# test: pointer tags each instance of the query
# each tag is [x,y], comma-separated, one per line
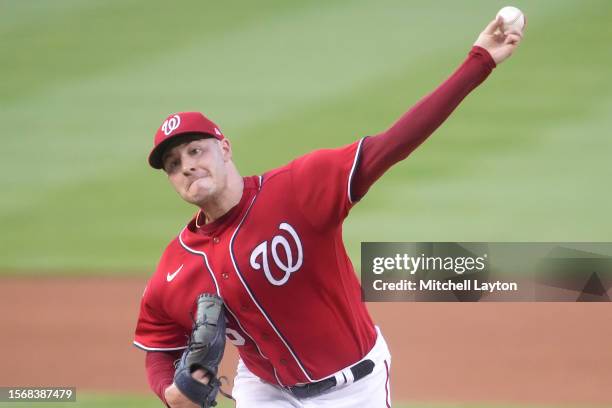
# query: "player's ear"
[226,149]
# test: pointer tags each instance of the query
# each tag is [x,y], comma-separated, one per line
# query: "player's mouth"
[196,179]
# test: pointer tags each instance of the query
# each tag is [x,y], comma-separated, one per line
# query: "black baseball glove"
[205,350]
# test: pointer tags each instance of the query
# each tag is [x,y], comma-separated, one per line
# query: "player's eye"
[195,151]
[171,165]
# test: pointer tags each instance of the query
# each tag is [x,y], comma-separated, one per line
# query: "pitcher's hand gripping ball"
[513,18]
[205,351]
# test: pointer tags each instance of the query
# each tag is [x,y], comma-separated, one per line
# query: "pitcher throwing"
[268,250]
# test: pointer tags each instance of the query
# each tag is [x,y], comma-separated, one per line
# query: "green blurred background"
[85,84]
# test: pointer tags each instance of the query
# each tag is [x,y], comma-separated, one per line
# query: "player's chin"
[196,199]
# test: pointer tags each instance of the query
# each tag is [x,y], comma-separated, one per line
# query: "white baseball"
[514,19]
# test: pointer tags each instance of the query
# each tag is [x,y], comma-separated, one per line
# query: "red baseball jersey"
[277,259]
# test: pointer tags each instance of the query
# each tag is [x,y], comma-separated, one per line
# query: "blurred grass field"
[85,84]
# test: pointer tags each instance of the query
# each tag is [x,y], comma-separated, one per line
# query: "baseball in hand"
[514,19]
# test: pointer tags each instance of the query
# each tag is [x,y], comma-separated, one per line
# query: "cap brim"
[156,155]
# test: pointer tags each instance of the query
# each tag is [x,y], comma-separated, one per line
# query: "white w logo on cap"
[171,124]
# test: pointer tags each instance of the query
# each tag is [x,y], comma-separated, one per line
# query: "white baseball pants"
[372,391]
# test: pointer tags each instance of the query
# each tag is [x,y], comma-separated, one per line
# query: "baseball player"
[270,248]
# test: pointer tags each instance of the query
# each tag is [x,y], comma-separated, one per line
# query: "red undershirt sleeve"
[382,151]
[160,370]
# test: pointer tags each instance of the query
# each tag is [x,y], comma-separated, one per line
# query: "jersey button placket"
[216,240]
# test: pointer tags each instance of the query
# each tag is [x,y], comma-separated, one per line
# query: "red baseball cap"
[178,124]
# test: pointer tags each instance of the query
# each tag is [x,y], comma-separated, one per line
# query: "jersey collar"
[251,186]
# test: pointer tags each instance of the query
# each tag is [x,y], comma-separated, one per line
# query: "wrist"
[484,55]
[170,395]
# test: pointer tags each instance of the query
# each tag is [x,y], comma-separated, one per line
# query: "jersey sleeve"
[321,184]
[382,151]
[155,331]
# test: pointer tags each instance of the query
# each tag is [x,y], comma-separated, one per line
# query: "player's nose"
[188,165]
[188,170]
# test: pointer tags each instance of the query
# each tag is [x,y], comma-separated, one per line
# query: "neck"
[216,208]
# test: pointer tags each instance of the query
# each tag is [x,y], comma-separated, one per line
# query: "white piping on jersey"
[203,254]
[256,345]
[350,179]
[142,346]
[256,302]
[205,260]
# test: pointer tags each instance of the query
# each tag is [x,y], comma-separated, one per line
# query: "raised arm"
[382,151]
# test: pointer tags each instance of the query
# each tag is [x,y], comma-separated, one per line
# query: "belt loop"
[340,378]
[349,375]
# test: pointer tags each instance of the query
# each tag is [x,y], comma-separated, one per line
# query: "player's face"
[197,169]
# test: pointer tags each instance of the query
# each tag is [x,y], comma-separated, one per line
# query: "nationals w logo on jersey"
[285,263]
[171,124]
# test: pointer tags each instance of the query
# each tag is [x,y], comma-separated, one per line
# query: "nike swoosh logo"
[171,276]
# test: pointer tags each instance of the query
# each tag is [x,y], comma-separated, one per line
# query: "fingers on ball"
[494,25]
[512,39]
